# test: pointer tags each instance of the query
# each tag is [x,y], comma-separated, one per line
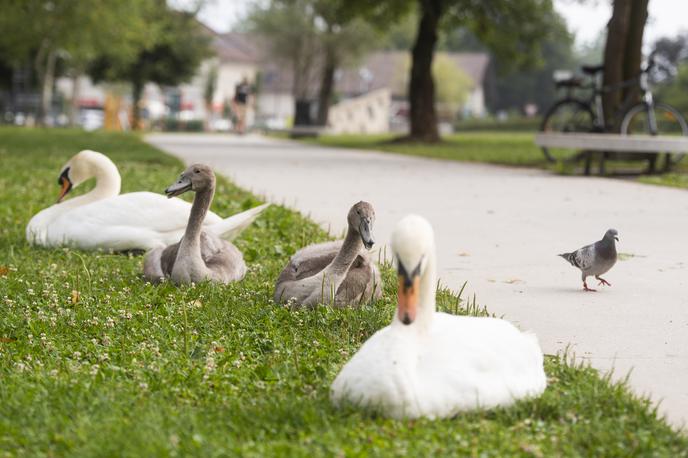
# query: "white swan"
[105,219]
[434,365]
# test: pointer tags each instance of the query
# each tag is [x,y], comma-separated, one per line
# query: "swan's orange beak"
[66,187]
[407,297]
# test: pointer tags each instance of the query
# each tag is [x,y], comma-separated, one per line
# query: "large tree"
[179,46]
[72,31]
[623,54]
[511,29]
[315,38]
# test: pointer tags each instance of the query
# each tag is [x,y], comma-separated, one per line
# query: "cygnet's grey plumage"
[199,255]
[343,267]
[595,259]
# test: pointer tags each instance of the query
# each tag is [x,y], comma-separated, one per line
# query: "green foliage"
[291,38]
[452,85]
[311,36]
[80,30]
[534,84]
[96,362]
[173,58]
[676,92]
[495,147]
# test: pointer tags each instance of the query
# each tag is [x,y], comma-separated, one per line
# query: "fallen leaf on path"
[511,281]
[3,271]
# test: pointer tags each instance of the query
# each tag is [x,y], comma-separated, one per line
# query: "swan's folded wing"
[145,210]
[230,228]
[310,260]
[478,363]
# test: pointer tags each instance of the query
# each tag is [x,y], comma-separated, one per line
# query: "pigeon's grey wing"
[585,257]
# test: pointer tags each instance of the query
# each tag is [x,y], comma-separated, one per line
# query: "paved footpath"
[500,229]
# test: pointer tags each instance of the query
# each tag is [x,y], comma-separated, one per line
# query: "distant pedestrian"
[242,92]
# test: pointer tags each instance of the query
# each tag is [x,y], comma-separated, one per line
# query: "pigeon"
[595,259]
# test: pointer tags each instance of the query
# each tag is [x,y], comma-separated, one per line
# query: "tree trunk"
[422,87]
[44,65]
[137,91]
[622,54]
[326,88]
[74,103]
[634,45]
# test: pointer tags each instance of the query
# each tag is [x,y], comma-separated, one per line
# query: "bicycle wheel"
[669,122]
[568,115]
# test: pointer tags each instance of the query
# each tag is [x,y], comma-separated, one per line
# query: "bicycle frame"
[598,90]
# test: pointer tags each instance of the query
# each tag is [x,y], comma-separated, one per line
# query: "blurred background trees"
[176,50]
[136,42]
[126,40]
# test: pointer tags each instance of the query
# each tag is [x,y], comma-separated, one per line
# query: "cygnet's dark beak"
[616,237]
[366,234]
[179,187]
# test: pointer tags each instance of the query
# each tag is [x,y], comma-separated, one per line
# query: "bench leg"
[603,158]
[588,162]
[667,162]
[652,164]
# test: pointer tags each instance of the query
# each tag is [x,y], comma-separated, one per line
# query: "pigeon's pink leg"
[603,281]
[585,287]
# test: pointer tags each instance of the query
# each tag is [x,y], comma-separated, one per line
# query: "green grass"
[507,148]
[96,362]
[493,147]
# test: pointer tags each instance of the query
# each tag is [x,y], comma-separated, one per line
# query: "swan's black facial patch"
[408,278]
[64,175]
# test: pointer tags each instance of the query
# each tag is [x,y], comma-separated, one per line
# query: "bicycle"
[579,114]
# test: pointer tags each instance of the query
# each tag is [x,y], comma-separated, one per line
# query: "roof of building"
[391,68]
[236,47]
[378,70]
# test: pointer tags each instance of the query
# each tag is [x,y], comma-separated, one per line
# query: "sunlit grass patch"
[96,362]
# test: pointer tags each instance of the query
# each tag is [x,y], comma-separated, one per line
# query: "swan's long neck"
[428,290]
[190,246]
[347,255]
[108,180]
[108,183]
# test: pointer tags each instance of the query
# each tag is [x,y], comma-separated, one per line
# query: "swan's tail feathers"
[230,228]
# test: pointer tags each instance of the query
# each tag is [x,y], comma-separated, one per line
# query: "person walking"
[242,92]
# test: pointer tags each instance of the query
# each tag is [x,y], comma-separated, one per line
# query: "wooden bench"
[606,143]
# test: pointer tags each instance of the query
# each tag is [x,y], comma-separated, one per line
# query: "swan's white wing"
[139,220]
[379,376]
[230,228]
[461,364]
[470,363]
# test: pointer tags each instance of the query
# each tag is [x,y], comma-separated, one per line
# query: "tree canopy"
[179,47]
